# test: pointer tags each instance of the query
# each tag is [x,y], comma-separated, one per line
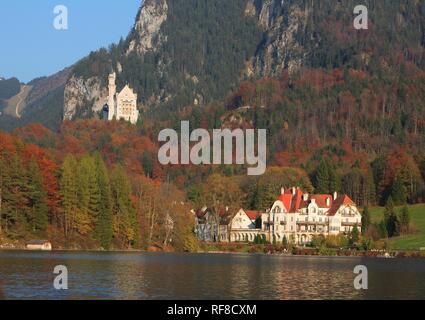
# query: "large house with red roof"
[295,215]
[300,216]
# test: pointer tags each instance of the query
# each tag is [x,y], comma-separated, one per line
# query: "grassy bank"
[409,242]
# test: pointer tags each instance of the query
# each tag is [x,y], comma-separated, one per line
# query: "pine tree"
[37,199]
[398,192]
[354,235]
[334,181]
[370,188]
[365,220]
[391,220]
[382,229]
[405,220]
[69,194]
[104,228]
[326,178]
[89,192]
[266,196]
[124,215]
[15,195]
[322,178]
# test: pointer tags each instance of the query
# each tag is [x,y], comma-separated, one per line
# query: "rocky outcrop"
[80,93]
[89,95]
[147,36]
[279,49]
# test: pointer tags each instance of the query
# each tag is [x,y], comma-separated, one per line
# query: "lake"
[29,275]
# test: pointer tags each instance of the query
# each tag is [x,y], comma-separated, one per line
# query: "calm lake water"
[29,275]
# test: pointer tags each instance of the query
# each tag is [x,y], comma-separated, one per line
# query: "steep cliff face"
[146,31]
[183,53]
[86,96]
[178,53]
[80,92]
[281,21]
[160,21]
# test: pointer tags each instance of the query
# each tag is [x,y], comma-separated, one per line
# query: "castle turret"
[111,98]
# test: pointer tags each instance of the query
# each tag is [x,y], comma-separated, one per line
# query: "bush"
[324,251]
[318,241]
[339,241]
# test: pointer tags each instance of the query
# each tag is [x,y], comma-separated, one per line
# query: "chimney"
[282,190]
[305,197]
[335,195]
[294,190]
[328,202]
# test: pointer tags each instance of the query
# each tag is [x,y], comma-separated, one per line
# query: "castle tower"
[111,99]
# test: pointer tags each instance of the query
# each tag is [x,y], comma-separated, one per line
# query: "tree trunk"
[152,216]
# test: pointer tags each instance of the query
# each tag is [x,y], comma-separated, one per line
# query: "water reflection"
[203,276]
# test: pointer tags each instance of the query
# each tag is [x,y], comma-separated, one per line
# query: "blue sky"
[31,47]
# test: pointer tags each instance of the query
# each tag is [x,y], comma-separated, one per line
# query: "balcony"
[350,224]
[312,231]
[312,223]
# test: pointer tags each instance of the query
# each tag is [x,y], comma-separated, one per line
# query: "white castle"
[122,105]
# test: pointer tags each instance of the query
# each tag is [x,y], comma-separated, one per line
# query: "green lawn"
[410,242]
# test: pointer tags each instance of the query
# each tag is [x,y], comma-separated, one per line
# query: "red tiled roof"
[341,200]
[297,200]
[286,200]
[294,202]
[322,200]
[253,215]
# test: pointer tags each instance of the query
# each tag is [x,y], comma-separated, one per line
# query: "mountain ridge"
[182,53]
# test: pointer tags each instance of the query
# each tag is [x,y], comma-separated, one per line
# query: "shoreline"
[396,254]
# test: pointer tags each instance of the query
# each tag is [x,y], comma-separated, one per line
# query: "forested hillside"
[198,55]
[344,111]
[9,88]
[86,188]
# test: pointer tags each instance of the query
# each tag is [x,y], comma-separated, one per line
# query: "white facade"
[299,217]
[122,105]
[243,226]
[295,215]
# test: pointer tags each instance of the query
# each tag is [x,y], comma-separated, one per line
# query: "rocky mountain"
[181,53]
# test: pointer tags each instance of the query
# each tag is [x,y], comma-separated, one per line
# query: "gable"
[127,93]
[242,220]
